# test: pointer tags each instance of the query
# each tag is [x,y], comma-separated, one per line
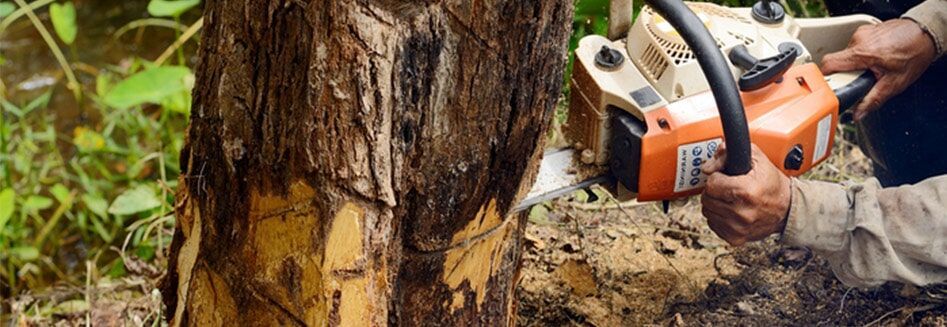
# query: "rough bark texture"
[352,162]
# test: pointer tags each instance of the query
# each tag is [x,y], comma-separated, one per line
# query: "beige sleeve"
[932,16]
[871,234]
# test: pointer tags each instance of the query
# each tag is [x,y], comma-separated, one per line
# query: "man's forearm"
[931,15]
[871,234]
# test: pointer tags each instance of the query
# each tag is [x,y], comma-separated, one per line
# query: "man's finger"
[716,163]
[880,93]
[722,229]
[729,189]
[843,61]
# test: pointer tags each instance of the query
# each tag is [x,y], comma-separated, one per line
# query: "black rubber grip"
[717,71]
[849,94]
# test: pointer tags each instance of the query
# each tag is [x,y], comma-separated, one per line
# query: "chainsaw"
[646,111]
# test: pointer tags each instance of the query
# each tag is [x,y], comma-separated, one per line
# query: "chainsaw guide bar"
[558,176]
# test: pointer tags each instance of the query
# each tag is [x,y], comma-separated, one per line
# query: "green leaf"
[596,8]
[39,102]
[179,103]
[64,21]
[138,199]
[6,8]
[96,204]
[150,86]
[6,206]
[145,252]
[538,214]
[60,192]
[117,269]
[37,203]
[71,308]
[87,140]
[163,8]
[25,253]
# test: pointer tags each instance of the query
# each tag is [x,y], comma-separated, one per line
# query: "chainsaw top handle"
[717,71]
[850,94]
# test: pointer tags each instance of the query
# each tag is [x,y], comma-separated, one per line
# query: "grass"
[78,201]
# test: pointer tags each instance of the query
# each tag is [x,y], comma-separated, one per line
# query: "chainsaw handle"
[717,71]
[849,94]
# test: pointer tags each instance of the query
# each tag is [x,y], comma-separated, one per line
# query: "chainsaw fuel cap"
[609,58]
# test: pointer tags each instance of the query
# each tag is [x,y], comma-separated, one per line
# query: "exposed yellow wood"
[344,269]
[187,257]
[210,295]
[262,206]
[487,219]
[477,261]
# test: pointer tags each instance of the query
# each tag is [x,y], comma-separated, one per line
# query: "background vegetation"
[95,97]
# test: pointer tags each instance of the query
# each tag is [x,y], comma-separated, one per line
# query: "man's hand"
[898,51]
[748,207]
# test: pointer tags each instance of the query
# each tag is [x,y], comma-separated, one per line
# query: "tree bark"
[353,162]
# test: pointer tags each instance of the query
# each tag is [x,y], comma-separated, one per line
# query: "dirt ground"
[596,265]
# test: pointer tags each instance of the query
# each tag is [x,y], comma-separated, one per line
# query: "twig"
[20,12]
[157,22]
[842,305]
[179,42]
[884,316]
[604,206]
[73,84]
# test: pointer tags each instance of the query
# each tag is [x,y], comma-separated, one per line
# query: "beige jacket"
[871,234]
[932,16]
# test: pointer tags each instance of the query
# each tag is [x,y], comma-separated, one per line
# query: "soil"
[596,265]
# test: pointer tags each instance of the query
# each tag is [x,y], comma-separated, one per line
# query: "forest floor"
[601,264]
[636,266]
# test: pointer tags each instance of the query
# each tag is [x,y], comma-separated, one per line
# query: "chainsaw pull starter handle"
[849,94]
[712,62]
[761,72]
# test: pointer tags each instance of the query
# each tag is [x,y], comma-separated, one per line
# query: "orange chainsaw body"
[800,111]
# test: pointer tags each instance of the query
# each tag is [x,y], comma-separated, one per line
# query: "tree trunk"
[353,162]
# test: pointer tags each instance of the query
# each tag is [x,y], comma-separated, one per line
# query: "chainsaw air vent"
[678,51]
[718,11]
[657,49]
[653,62]
[747,41]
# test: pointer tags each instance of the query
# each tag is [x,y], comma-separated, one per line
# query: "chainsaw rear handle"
[717,71]
[849,94]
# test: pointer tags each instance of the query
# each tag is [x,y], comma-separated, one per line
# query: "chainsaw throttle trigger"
[761,72]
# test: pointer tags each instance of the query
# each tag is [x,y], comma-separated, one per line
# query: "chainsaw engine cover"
[801,111]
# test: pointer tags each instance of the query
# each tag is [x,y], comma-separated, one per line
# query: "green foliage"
[6,8]
[164,8]
[154,85]
[64,21]
[79,188]
[139,199]
[6,206]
